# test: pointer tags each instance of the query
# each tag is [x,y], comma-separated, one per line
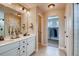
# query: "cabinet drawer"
[23,42]
[31,39]
[8,47]
[23,52]
[13,52]
[31,45]
[23,47]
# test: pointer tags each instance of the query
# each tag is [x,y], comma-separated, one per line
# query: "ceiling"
[44,6]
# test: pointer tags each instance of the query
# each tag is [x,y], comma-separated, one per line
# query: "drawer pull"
[66,36]
[18,48]
[23,51]
[23,41]
[23,46]
[27,44]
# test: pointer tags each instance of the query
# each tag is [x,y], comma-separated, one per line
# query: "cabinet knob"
[23,51]
[66,36]
[18,48]
[27,44]
[23,46]
[23,41]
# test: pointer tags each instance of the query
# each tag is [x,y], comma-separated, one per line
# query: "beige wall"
[59,13]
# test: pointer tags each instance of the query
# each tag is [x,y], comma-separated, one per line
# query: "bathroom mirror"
[2,23]
[13,24]
[1,27]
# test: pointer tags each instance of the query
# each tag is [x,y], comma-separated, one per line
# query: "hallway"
[53,43]
[50,50]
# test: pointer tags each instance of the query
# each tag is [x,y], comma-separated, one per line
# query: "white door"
[69,29]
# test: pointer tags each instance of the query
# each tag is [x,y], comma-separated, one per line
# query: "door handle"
[18,48]
[27,44]
[66,36]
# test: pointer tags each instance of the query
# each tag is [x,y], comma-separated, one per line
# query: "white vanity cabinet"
[27,46]
[10,49]
[13,52]
[23,47]
[30,45]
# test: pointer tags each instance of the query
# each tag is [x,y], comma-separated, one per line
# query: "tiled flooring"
[53,43]
[50,50]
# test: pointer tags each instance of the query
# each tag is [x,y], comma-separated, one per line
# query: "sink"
[26,34]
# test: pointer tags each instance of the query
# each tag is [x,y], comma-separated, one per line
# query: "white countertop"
[7,40]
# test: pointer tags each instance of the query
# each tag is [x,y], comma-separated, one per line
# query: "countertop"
[7,40]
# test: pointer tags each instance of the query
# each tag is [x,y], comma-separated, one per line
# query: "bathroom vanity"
[14,30]
[23,46]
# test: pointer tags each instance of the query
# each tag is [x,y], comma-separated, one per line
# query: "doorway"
[53,31]
[39,32]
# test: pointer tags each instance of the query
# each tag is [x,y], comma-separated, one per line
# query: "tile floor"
[50,50]
[53,43]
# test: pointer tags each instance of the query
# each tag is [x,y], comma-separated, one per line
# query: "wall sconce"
[23,8]
[19,15]
[31,26]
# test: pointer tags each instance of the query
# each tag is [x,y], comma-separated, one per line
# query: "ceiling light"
[51,5]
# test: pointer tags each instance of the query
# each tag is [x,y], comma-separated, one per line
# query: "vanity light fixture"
[51,5]
[23,8]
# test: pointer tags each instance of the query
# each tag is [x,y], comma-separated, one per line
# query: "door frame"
[47,28]
[41,27]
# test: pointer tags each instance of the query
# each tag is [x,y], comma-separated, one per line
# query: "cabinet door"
[13,52]
[30,45]
[23,52]
[69,30]
[8,47]
[23,48]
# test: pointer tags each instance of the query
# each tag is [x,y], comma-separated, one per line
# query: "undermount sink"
[26,34]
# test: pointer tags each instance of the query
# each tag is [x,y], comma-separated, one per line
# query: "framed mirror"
[1,27]
[2,23]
